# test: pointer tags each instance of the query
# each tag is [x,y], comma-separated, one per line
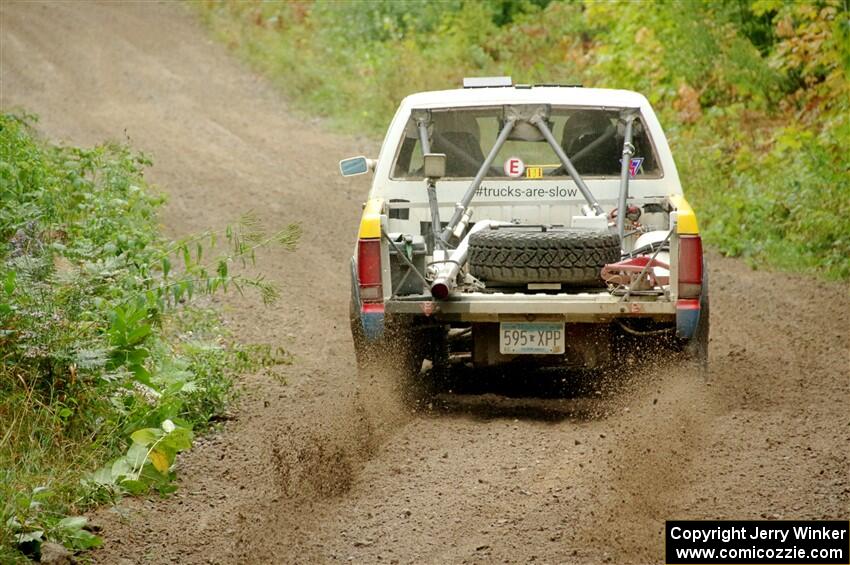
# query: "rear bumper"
[581,307]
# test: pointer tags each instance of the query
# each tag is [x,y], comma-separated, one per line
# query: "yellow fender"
[370,222]
[687,219]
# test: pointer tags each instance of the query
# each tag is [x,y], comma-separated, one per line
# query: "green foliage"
[754,95]
[107,353]
[30,526]
[147,463]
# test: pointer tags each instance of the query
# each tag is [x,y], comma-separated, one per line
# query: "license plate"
[531,338]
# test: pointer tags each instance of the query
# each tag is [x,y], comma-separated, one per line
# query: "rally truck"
[528,225]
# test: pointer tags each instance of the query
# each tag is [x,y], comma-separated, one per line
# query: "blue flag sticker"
[635,165]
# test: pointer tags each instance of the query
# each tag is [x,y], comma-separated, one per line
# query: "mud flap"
[687,318]
[372,322]
[369,316]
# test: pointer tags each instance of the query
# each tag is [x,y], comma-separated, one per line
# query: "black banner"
[694,542]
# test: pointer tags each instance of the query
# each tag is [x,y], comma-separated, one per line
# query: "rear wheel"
[397,354]
[363,350]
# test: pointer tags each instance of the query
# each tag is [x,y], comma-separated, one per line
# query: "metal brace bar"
[625,173]
[538,121]
[422,124]
[460,207]
[434,205]
[422,121]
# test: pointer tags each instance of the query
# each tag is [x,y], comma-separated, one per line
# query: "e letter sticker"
[514,167]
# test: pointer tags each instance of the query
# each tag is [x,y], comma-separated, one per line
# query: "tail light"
[369,270]
[690,266]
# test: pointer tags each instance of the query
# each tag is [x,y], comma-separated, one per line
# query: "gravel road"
[320,469]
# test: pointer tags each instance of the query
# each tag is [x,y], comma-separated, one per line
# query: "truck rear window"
[591,137]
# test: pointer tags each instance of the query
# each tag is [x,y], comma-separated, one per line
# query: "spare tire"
[519,256]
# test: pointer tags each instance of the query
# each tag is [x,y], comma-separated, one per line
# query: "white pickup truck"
[525,224]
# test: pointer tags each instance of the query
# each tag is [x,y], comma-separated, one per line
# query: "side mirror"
[435,165]
[355,166]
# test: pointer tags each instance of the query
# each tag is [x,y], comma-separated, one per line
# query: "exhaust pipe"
[448,269]
[440,289]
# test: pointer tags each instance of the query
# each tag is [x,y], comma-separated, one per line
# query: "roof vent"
[487,82]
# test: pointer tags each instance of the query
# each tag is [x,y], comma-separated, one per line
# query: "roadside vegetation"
[112,357]
[754,95]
